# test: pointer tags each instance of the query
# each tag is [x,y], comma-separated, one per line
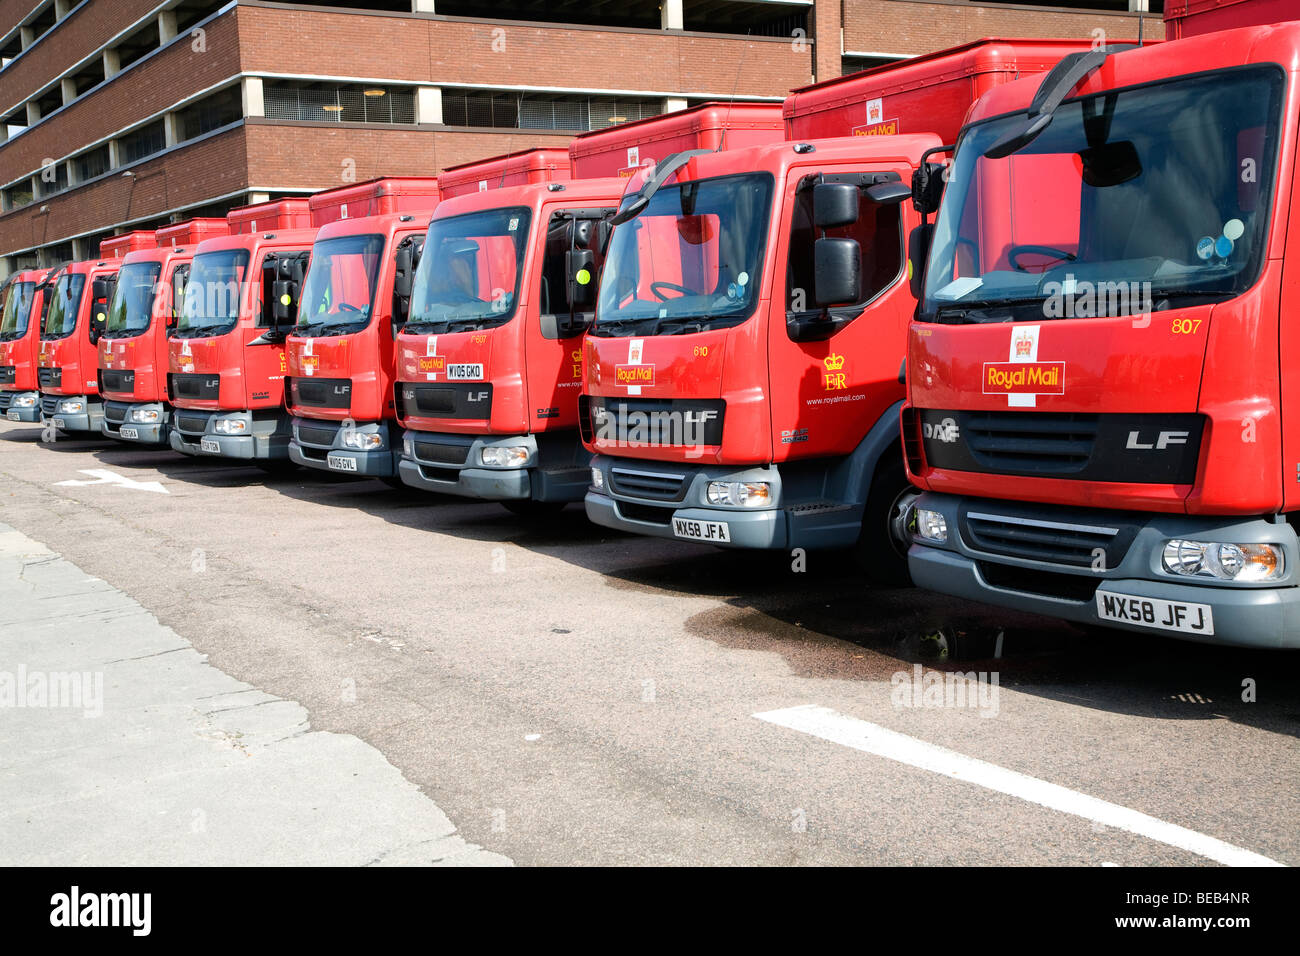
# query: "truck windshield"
[133,299]
[1131,201]
[338,294]
[18,311]
[691,261]
[469,274]
[212,293]
[65,301]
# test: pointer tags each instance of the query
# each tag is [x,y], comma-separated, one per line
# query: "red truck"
[1105,349]
[489,361]
[73,321]
[742,379]
[342,352]
[226,356]
[147,300]
[20,331]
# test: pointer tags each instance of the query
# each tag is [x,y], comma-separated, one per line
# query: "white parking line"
[102,476]
[873,739]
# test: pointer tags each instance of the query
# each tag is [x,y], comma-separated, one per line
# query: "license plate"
[339,463]
[210,445]
[126,431]
[12,415]
[465,372]
[701,530]
[59,423]
[1180,616]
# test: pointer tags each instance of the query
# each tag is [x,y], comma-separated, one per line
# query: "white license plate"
[126,431]
[210,445]
[701,530]
[465,372]
[1180,616]
[339,463]
[12,415]
[59,423]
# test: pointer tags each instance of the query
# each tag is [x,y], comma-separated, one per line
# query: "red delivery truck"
[742,380]
[1189,18]
[342,352]
[68,360]
[147,300]
[1105,350]
[20,332]
[226,357]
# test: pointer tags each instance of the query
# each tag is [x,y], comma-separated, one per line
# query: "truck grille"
[1098,542]
[322,435]
[6,399]
[192,424]
[1066,587]
[49,377]
[321,392]
[206,385]
[647,484]
[1014,442]
[115,412]
[49,404]
[117,381]
[8,374]
[440,453]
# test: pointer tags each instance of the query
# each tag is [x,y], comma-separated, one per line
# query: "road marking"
[873,739]
[102,476]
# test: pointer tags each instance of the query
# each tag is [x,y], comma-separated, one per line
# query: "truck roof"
[374,197]
[1267,44]
[116,246]
[384,225]
[607,189]
[538,165]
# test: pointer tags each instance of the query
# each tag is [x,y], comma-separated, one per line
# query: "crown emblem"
[577,355]
[833,362]
[1023,345]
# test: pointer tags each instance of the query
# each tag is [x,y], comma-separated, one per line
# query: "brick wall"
[920,26]
[192,174]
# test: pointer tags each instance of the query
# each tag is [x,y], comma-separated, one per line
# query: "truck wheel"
[882,546]
[534,510]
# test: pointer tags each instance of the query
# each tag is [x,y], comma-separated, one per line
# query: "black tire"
[881,550]
[534,510]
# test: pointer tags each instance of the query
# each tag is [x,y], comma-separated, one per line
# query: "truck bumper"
[13,412]
[118,422]
[266,436]
[556,467]
[319,444]
[1129,575]
[88,420]
[669,499]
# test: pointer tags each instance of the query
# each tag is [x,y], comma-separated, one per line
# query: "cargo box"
[375,197]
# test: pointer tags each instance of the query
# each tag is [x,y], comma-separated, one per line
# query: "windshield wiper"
[978,312]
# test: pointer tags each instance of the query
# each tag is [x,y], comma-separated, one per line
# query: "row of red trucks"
[1060,266]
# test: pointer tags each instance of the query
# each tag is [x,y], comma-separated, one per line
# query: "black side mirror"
[284,307]
[918,253]
[927,187]
[604,230]
[404,271]
[102,289]
[835,205]
[580,267]
[837,271]
[886,194]
[582,233]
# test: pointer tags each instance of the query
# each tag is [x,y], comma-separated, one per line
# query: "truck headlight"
[145,416]
[72,406]
[408,447]
[504,456]
[25,401]
[744,494]
[597,477]
[1225,562]
[363,441]
[230,426]
[931,526]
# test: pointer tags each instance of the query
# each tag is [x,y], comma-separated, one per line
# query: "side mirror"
[834,205]
[98,323]
[918,253]
[580,266]
[582,233]
[927,187]
[284,307]
[404,272]
[604,230]
[102,289]
[837,271]
[886,194]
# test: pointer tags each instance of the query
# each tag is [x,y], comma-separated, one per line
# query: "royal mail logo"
[835,376]
[1024,378]
[431,363]
[875,110]
[1023,345]
[636,375]
[309,363]
[887,127]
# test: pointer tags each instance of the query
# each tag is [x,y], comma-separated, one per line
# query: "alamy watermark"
[970,690]
[73,690]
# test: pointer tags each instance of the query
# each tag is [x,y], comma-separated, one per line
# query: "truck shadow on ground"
[824,620]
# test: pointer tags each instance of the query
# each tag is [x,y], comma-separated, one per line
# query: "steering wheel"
[654,288]
[1015,252]
[347,307]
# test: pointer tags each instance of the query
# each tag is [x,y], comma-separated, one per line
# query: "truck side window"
[180,277]
[879,233]
[265,317]
[553,297]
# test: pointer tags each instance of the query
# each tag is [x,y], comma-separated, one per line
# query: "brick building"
[127,114]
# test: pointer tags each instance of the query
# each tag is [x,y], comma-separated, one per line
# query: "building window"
[339,103]
[51,179]
[212,112]
[91,164]
[19,194]
[143,142]
[576,114]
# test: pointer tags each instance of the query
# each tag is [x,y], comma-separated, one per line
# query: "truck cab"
[1105,349]
[147,301]
[226,355]
[342,351]
[489,362]
[68,360]
[20,332]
